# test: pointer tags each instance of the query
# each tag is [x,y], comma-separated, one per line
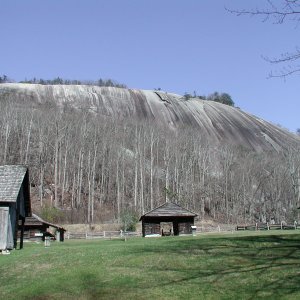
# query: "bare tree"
[278,12]
[97,167]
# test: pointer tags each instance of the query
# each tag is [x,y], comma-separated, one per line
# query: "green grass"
[263,265]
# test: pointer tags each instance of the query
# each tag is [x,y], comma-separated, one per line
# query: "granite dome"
[218,122]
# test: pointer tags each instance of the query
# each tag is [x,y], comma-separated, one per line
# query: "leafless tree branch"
[280,12]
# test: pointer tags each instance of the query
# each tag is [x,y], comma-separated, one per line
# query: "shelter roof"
[169,209]
[11,179]
[38,221]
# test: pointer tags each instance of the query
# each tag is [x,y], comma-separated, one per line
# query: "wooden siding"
[35,224]
[179,219]
[185,227]
[32,234]
[151,228]
[153,225]
[6,232]
[3,227]
[15,197]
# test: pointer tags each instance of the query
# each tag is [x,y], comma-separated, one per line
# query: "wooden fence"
[267,226]
[122,234]
[215,229]
[200,229]
[102,235]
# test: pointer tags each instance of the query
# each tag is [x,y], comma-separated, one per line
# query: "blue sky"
[177,45]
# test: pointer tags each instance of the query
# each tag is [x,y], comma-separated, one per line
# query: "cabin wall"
[185,227]
[181,225]
[34,232]
[12,230]
[150,228]
[13,213]
[15,205]
[7,226]
[4,220]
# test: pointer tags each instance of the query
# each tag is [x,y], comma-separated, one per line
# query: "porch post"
[22,232]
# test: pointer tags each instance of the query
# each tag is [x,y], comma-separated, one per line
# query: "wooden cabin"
[14,204]
[37,229]
[167,219]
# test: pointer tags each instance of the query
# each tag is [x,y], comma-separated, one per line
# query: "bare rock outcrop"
[219,123]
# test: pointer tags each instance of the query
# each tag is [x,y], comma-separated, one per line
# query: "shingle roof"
[35,220]
[11,178]
[169,209]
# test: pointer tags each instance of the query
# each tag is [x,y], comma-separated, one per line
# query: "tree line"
[223,98]
[60,81]
[91,168]
[4,79]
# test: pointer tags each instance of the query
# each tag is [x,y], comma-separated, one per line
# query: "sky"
[180,46]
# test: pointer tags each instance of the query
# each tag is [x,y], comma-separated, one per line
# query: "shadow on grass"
[251,267]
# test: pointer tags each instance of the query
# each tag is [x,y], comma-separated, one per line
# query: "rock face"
[217,122]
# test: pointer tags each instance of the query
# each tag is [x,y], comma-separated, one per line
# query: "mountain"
[98,153]
[217,122]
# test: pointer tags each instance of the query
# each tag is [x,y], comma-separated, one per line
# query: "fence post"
[219,229]
[86,235]
[281,225]
[256,226]
[103,233]
[268,227]
[295,225]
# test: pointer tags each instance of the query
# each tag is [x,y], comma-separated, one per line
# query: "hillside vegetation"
[95,153]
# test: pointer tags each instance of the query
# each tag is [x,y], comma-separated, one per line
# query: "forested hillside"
[97,152]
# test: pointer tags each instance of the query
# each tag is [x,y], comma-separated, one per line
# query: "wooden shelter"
[37,228]
[14,204]
[167,219]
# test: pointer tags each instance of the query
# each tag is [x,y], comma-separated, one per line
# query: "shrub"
[51,214]
[129,219]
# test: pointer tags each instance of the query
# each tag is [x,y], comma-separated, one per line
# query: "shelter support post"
[22,232]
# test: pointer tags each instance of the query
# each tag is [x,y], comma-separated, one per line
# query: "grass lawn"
[255,265]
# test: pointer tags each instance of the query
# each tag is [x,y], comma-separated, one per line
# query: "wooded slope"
[96,152]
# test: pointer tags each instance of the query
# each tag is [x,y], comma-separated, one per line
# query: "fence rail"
[199,230]
[102,235]
[222,228]
[267,226]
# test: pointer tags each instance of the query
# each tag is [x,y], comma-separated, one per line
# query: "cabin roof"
[11,179]
[37,221]
[169,209]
